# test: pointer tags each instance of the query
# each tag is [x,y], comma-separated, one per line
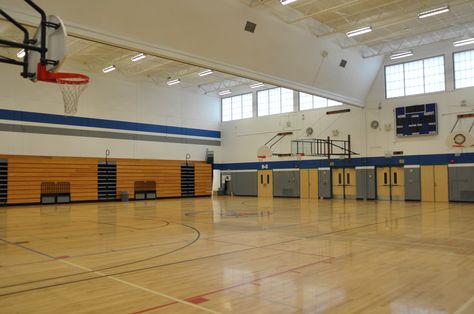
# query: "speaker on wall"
[343,63]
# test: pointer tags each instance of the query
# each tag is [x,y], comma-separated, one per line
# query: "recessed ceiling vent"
[250,27]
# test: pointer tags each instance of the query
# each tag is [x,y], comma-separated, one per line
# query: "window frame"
[454,69]
[404,85]
[274,114]
[312,99]
[242,107]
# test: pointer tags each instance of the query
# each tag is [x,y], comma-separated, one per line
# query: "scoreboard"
[416,120]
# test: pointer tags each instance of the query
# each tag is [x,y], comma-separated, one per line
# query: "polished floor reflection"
[240,255]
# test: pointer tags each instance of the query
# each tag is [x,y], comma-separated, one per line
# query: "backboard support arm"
[27,44]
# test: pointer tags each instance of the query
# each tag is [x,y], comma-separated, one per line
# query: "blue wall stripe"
[434,159]
[26,116]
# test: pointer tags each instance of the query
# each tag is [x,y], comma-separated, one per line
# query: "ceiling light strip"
[173,82]
[432,12]
[359,31]
[257,85]
[402,54]
[463,42]
[109,69]
[225,92]
[139,56]
[285,2]
[205,72]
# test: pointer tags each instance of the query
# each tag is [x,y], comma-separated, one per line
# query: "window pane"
[306,101]
[247,106]
[262,103]
[434,74]
[274,101]
[414,78]
[320,102]
[226,109]
[464,69]
[286,100]
[332,103]
[394,81]
[236,108]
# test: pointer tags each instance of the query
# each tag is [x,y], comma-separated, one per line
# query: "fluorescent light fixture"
[225,92]
[20,54]
[285,2]
[138,57]
[109,69]
[463,42]
[206,72]
[402,54]
[432,12]
[173,82]
[257,85]
[359,31]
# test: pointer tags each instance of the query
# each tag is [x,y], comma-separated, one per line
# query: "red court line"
[200,298]
[155,307]
[328,260]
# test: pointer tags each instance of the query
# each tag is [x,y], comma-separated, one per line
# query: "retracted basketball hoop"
[44,54]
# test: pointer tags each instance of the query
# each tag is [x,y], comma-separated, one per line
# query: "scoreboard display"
[416,120]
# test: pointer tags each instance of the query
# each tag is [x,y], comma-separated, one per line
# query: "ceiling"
[92,57]
[395,23]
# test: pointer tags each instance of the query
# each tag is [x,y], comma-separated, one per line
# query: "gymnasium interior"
[237,156]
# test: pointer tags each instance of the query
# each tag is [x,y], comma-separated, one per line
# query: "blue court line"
[432,159]
[27,116]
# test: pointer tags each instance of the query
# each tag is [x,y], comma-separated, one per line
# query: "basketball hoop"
[71,85]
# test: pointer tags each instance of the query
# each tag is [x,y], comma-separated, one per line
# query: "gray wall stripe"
[104,134]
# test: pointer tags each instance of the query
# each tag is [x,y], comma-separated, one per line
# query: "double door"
[390,183]
[434,183]
[265,183]
[309,183]
[344,183]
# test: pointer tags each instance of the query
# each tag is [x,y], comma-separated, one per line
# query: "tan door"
[350,183]
[313,183]
[383,183]
[427,184]
[304,183]
[265,183]
[398,183]
[441,183]
[338,183]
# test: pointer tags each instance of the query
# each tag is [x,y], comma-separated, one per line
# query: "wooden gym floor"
[241,255]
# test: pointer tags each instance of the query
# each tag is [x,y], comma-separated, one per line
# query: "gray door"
[244,183]
[324,183]
[286,183]
[461,184]
[412,184]
[366,185]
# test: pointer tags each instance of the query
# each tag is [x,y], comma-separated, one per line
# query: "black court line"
[27,248]
[110,267]
[191,260]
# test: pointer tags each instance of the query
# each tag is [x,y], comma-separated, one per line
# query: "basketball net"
[71,85]
[71,90]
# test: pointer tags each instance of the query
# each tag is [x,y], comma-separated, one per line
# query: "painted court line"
[253,282]
[464,307]
[141,288]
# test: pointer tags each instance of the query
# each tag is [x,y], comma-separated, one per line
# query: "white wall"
[448,103]
[211,33]
[107,97]
[241,139]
